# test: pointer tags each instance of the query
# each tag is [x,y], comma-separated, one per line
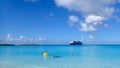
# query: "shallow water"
[86,56]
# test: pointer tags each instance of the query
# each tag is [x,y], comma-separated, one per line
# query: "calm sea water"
[86,56]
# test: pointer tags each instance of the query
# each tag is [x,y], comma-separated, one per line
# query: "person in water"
[56,56]
[45,54]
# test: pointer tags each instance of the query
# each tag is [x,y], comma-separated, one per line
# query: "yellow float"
[45,54]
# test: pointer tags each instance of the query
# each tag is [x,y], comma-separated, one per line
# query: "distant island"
[18,44]
[7,44]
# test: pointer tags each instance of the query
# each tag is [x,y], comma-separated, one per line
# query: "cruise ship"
[75,43]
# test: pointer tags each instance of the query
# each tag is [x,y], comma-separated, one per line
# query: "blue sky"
[58,21]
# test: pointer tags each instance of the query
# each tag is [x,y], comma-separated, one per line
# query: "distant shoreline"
[33,44]
[7,45]
[18,44]
[58,45]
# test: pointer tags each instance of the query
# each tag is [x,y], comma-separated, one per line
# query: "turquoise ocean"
[60,56]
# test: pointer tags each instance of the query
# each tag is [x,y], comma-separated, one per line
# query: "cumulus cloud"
[107,26]
[82,39]
[23,39]
[94,19]
[50,14]
[85,6]
[73,19]
[86,27]
[9,37]
[91,37]
[31,40]
[41,39]
[94,12]
[91,22]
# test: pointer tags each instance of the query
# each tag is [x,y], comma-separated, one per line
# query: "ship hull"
[76,43]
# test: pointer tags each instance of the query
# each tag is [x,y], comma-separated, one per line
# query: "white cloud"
[94,19]
[51,14]
[107,26]
[106,12]
[91,37]
[9,37]
[30,40]
[86,27]
[90,23]
[82,39]
[41,39]
[73,19]
[21,37]
[94,12]
[85,6]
